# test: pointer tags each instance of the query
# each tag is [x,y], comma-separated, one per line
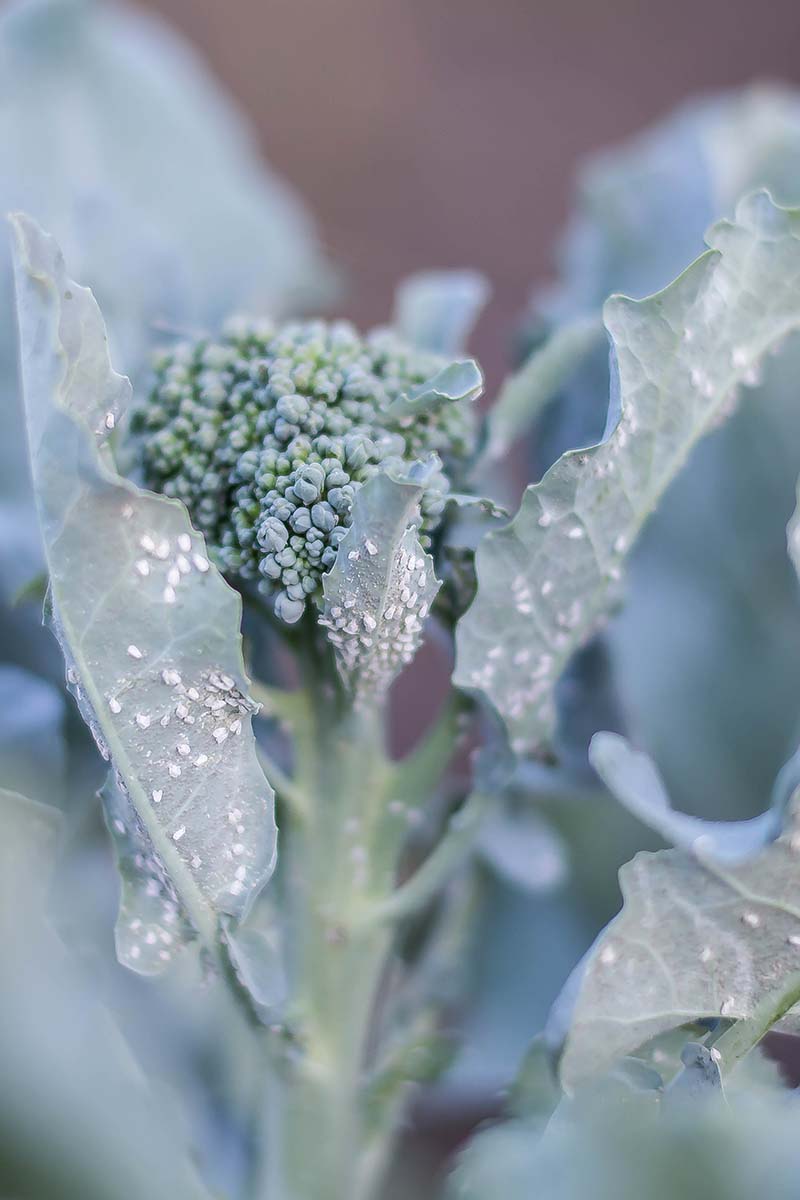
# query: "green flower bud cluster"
[267,434]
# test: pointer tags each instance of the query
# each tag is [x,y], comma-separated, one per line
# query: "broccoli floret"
[267,434]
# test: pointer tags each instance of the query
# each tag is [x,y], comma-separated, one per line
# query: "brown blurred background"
[446,132]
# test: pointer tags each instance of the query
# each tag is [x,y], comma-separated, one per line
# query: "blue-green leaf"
[636,783]
[382,584]
[108,120]
[152,924]
[149,629]
[30,832]
[696,938]
[709,599]
[547,581]
[436,310]
[32,750]
[457,383]
[66,1068]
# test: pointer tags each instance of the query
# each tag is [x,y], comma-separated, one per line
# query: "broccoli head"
[268,433]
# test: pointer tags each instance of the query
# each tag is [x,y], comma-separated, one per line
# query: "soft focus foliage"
[677,361]
[150,631]
[107,125]
[625,1147]
[711,601]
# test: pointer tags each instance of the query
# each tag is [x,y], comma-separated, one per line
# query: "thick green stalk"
[743,1036]
[317,1141]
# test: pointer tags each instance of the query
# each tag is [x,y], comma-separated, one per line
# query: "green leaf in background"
[677,176]
[710,930]
[701,667]
[523,849]
[108,121]
[459,382]
[705,655]
[78,1120]
[436,310]
[524,395]
[626,1148]
[149,629]
[381,587]
[634,779]
[679,357]
[27,849]
[32,745]
[695,939]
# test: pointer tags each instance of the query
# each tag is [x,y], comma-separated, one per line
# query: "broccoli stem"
[318,1142]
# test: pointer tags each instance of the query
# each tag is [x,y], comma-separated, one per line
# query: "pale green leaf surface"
[152,925]
[710,561]
[548,580]
[256,954]
[523,849]
[32,747]
[436,310]
[30,832]
[78,1119]
[149,628]
[457,383]
[627,1148]
[108,120]
[695,939]
[382,584]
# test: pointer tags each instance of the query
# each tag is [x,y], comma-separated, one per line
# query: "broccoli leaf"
[152,924]
[149,629]
[457,383]
[622,1140]
[134,116]
[712,929]
[679,356]
[66,1068]
[382,584]
[711,559]
[436,310]
[635,781]
[27,847]
[32,747]
[108,119]
[695,939]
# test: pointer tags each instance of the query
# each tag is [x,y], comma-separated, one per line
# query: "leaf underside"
[436,310]
[708,930]
[149,629]
[66,1066]
[381,586]
[679,357]
[634,779]
[695,939]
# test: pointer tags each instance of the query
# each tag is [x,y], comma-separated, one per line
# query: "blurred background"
[429,133]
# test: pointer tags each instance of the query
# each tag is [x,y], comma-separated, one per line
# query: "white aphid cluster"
[377,623]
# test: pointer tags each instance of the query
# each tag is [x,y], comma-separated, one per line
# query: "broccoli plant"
[327,488]
[268,435]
